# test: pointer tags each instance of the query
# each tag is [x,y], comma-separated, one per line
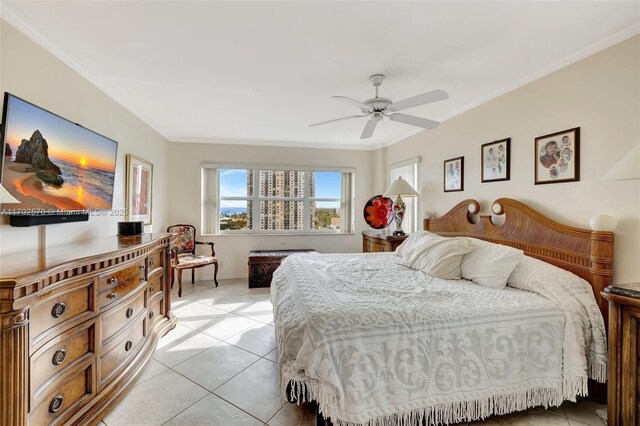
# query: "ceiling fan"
[377,108]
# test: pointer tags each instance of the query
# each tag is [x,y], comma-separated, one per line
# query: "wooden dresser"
[376,242]
[79,322]
[624,354]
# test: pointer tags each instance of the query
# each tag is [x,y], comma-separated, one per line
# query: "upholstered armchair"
[183,254]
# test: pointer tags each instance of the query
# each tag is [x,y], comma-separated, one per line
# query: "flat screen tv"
[52,166]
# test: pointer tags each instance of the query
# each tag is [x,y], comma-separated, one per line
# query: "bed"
[373,342]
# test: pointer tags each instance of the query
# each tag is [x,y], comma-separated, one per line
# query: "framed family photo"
[139,189]
[496,159]
[454,174]
[557,157]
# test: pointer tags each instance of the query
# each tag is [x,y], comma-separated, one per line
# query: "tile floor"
[217,367]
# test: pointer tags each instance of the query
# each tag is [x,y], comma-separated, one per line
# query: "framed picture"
[454,174]
[139,189]
[496,157]
[557,157]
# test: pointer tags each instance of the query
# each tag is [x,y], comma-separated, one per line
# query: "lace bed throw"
[379,344]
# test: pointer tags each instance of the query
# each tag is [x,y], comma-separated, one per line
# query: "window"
[276,200]
[409,171]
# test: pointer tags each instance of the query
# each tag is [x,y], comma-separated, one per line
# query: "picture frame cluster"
[556,160]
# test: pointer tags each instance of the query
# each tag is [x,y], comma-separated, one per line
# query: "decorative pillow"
[438,256]
[489,264]
[410,242]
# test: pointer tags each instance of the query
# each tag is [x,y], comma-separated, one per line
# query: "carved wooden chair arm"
[208,243]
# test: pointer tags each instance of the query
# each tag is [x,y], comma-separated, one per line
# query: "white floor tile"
[197,316]
[180,344]
[216,365]
[225,326]
[152,369]
[213,411]
[259,339]
[155,401]
[258,311]
[295,415]
[273,355]
[263,401]
[226,301]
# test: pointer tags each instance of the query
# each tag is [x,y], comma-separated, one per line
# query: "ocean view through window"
[253,200]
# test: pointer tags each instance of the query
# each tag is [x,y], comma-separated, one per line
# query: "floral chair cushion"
[185,239]
[189,261]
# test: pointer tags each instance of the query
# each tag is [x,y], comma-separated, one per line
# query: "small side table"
[624,354]
[372,242]
[263,263]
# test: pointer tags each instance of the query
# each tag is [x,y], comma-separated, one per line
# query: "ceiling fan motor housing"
[376,104]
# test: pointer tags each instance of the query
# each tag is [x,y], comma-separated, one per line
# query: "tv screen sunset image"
[52,164]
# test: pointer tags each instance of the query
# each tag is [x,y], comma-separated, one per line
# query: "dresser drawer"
[155,310]
[119,277]
[155,283]
[60,309]
[60,353]
[120,316]
[155,260]
[127,344]
[116,285]
[65,399]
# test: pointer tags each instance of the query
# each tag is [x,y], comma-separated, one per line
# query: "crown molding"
[275,143]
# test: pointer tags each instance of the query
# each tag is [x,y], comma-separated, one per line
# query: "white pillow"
[489,264]
[438,256]
[410,242]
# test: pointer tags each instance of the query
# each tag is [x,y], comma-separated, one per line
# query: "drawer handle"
[129,312]
[127,346]
[59,357]
[112,296]
[141,278]
[150,314]
[151,289]
[58,310]
[112,280]
[152,263]
[56,404]
[142,266]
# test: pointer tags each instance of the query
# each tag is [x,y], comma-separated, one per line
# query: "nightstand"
[624,354]
[372,242]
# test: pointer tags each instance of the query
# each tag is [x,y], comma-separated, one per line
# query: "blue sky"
[233,183]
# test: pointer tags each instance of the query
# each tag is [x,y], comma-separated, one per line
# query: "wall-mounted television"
[57,169]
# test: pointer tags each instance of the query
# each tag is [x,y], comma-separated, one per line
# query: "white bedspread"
[376,343]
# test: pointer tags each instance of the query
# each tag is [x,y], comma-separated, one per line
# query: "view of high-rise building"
[280,197]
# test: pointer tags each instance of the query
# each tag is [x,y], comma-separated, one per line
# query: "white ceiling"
[263,71]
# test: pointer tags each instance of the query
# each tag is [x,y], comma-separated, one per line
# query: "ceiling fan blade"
[414,121]
[425,98]
[352,102]
[337,119]
[367,132]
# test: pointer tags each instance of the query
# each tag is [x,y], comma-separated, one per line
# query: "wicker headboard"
[586,253]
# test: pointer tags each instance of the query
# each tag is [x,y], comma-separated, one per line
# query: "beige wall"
[28,71]
[601,95]
[232,250]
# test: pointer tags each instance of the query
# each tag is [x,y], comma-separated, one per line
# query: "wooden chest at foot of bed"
[263,263]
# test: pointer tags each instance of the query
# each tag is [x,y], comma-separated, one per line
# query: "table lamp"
[399,188]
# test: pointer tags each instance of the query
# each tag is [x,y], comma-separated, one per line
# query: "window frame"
[211,200]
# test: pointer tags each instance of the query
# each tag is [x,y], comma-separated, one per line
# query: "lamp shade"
[5,197]
[627,168]
[400,187]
